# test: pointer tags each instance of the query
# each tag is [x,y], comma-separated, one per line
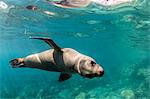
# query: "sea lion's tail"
[18,62]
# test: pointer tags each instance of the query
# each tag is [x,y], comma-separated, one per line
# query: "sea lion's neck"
[78,63]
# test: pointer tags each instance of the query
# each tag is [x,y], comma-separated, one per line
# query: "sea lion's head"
[87,67]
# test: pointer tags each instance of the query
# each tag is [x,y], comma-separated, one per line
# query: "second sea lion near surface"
[71,3]
[67,61]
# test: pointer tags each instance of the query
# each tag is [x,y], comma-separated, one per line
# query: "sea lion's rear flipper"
[18,62]
[64,76]
[49,42]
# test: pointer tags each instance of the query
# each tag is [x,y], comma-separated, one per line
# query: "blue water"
[117,38]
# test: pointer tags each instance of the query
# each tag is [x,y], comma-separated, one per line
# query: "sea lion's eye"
[93,63]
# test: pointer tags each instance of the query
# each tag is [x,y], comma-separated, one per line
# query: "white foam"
[5,8]
[111,2]
[3,5]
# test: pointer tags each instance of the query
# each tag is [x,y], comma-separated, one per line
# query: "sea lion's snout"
[100,71]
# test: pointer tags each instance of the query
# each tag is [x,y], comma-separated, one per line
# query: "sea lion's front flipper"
[49,42]
[64,76]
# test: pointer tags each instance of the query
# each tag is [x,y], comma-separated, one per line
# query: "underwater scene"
[116,35]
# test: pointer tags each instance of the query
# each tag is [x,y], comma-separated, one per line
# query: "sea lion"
[71,3]
[65,60]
